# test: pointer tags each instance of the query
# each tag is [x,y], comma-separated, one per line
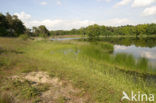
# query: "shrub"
[24,36]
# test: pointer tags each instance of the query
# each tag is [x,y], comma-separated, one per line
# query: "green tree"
[35,31]
[3,25]
[43,31]
[141,29]
[151,29]
[93,31]
[103,30]
[17,26]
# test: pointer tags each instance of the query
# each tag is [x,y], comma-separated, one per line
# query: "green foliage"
[93,31]
[24,36]
[11,25]
[41,31]
[151,29]
[142,63]
[91,69]
[27,89]
[125,60]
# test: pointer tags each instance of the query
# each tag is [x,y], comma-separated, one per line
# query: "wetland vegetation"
[89,66]
[36,68]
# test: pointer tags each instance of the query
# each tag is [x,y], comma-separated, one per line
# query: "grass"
[101,51]
[88,66]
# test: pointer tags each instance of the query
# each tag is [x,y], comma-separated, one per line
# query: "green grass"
[103,52]
[86,65]
[89,71]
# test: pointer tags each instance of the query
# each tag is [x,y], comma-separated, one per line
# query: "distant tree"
[28,32]
[151,29]
[103,30]
[93,31]
[17,26]
[3,25]
[35,31]
[11,25]
[141,29]
[82,31]
[43,31]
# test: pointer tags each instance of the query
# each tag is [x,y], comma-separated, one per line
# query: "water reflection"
[64,39]
[128,41]
[137,52]
[138,47]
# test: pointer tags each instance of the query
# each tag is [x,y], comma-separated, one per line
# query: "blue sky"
[68,14]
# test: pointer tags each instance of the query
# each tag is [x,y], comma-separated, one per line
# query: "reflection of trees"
[127,41]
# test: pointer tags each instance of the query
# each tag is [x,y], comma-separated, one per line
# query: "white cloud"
[103,0]
[43,3]
[61,24]
[55,24]
[58,24]
[122,3]
[119,47]
[23,16]
[141,3]
[149,11]
[118,22]
[59,3]
[149,55]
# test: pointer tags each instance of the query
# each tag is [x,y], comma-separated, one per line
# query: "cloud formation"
[135,3]
[117,22]
[55,24]
[149,11]
[142,3]
[122,3]
[43,3]
[23,16]
[103,0]
[61,24]
[59,3]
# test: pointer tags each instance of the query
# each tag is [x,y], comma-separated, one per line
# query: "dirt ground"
[59,91]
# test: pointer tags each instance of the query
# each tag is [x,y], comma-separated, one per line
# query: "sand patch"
[60,91]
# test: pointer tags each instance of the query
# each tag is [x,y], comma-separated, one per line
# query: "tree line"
[12,26]
[95,31]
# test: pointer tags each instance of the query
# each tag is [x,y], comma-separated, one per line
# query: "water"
[146,52]
[64,39]
[138,47]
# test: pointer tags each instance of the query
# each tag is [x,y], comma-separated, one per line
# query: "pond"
[138,47]
[64,39]
[146,52]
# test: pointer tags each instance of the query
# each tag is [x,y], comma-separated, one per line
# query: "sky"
[69,14]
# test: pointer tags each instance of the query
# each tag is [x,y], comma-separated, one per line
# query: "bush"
[24,36]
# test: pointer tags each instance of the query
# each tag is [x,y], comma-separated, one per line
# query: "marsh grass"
[92,69]
[6,98]
[103,51]
[88,66]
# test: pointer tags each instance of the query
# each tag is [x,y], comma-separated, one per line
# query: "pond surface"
[138,47]
[65,38]
[137,52]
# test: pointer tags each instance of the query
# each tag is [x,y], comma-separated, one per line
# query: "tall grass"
[6,98]
[103,51]
[88,66]
[91,69]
